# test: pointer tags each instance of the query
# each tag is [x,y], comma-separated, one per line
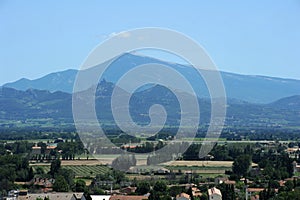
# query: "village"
[61,175]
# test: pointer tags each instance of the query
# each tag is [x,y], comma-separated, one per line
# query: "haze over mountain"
[56,107]
[57,81]
[255,89]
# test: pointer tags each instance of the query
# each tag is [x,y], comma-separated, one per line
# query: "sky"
[248,37]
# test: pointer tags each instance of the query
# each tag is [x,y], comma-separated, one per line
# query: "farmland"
[90,168]
[80,170]
[225,164]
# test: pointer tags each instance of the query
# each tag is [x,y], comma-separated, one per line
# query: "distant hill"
[288,103]
[57,106]
[58,81]
[33,104]
[255,89]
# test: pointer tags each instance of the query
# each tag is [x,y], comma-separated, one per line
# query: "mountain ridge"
[251,88]
[57,106]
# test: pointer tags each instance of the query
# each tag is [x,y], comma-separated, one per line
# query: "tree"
[30,173]
[266,194]
[60,184]
[68,175]
[241,165]
[289,185]
[43,147]
[160,186]
[204,197]
[153,195]
[143,188]
[80,186]
[55,167]
[190,192]
[98,191]
[159,191]
[227,191]
[293,195]
[175,190]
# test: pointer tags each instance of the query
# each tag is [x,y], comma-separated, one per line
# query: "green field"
[198,168]
[81,170]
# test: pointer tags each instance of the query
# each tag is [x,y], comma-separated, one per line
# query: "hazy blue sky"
[248,37]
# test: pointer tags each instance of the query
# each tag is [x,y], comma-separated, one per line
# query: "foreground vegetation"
[255,165]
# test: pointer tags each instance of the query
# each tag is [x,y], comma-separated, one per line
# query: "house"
[78,196]
[23,192]
[49,149]
[128,190]
[54,196]
[129,146]
[12,195]
[163,171]
[255,197]
[183,196]
[220,180]
[44,183]
[100,197]
[36,150]
[296,167]
[254,191]
[9,152]
[196,192]
[281,183]
[148,169]
[229,182]
[128,197]
[214,194]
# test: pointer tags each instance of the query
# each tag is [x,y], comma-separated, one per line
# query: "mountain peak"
[255,89]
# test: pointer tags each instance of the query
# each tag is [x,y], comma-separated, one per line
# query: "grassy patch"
[81,170]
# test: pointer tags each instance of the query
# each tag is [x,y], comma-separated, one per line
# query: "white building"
[214,194]
[78,196]
[53,196]
[100,197]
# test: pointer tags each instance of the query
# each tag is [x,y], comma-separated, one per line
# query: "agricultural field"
[196,163]
[90,162]
[85,171]
[199,167]
[104,159]
[80,170]
[225,164]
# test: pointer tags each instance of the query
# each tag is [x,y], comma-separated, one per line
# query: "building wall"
[215,197]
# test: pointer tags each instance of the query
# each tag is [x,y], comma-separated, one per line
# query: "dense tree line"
[18,147]
[13,168]
[64,178]
[259,133]
[69,149]
[105,181]
[30,133]
[276,165]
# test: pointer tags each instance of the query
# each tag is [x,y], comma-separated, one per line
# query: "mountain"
[46,107]
[288,103]
[34,104]
[58,81]
[255,89]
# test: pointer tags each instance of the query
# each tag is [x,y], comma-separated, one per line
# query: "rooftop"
[213,191]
